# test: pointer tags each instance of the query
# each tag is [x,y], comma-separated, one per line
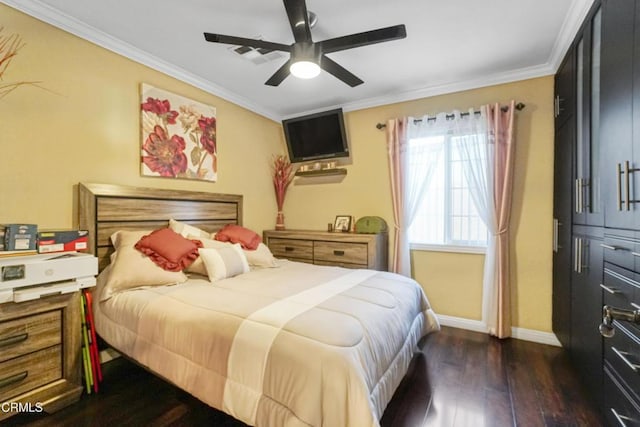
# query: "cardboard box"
[20,237]
[62,241]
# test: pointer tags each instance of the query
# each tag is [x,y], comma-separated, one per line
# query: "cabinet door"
[616,112]
[562,210]
[586,312]
[586,192]
[564,91]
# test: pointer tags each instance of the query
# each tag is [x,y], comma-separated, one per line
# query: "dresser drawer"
[620,409]
[622,352]
[27,334]
[27,372]
[339,264]
[291,248]
[621,287]
[621,249]
[340,252]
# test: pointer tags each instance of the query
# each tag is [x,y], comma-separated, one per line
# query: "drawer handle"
[635,253]
[620,418]
[613,248]
[610,290]
[634,305]
[5,342]
[622,355]
[5,382]
[289,249]
[338,253]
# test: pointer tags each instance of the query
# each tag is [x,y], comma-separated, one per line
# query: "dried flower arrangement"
[9,47]
[282,177]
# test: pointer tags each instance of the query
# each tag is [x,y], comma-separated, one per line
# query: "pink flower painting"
[178,136]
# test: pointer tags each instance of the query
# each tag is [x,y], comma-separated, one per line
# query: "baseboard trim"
[518,333]
[548,338]
[462,323]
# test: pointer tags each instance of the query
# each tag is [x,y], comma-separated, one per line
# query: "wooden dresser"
[40,354]
[351,250]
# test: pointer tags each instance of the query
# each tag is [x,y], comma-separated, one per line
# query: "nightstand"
[40,331]
[351,250]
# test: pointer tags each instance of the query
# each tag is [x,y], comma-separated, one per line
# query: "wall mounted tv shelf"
[322,172]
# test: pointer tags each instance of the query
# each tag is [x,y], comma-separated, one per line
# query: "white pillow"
[221,263]
[132,269]
[198,266]
[185,230]
[260,257]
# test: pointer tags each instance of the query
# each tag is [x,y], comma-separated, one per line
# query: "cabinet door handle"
[577,260]
[556,224]
[5,342]
[338,253]
[627,180]
[623,355]
[620,418]
[610,290]
[619,185]
[579,263]
[578,196]
[634,305]
[7,381]
[613,248]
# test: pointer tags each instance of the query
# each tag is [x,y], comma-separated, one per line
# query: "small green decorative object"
[371,225]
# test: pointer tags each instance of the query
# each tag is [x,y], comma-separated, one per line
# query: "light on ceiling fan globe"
[305,69]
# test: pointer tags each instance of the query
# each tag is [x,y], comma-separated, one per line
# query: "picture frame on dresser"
[342,223]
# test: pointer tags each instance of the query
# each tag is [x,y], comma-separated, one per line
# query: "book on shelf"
[24,252]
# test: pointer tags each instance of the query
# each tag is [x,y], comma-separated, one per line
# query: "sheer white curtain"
[414,148]
[487,145]
[478,155]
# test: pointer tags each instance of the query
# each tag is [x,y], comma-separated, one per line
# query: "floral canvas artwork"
[178,136]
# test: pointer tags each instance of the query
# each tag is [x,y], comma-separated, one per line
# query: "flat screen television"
[316,136]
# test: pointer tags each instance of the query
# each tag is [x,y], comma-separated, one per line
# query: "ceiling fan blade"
[279,75]
[241,41]
[332,67]
[298,19]
[363,39]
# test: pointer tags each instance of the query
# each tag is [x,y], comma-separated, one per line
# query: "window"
[446,217]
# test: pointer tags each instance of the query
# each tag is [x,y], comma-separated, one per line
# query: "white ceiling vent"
[257,56]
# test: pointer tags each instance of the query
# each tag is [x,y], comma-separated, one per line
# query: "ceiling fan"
[306,56]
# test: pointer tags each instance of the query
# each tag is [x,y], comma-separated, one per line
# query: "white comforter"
[298,345]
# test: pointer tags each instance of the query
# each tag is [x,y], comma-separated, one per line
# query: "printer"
[24,278]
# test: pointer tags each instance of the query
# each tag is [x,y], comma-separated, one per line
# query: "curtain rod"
[519,106]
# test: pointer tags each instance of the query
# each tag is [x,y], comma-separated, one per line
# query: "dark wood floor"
[462,379]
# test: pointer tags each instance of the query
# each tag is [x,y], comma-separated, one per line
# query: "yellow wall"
[453,281]
[85,128]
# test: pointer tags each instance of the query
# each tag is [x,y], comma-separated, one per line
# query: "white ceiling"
[450,45]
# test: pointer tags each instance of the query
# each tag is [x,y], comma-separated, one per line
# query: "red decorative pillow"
[168,249]
[248,239]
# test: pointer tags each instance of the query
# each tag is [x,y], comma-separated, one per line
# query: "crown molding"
[71,25]
[429,91]
[577,12]
[570,27]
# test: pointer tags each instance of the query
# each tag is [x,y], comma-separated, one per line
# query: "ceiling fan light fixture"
[305,69]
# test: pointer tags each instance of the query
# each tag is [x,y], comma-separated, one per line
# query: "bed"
[289,344]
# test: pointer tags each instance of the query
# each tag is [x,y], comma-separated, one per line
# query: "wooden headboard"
[104,209]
